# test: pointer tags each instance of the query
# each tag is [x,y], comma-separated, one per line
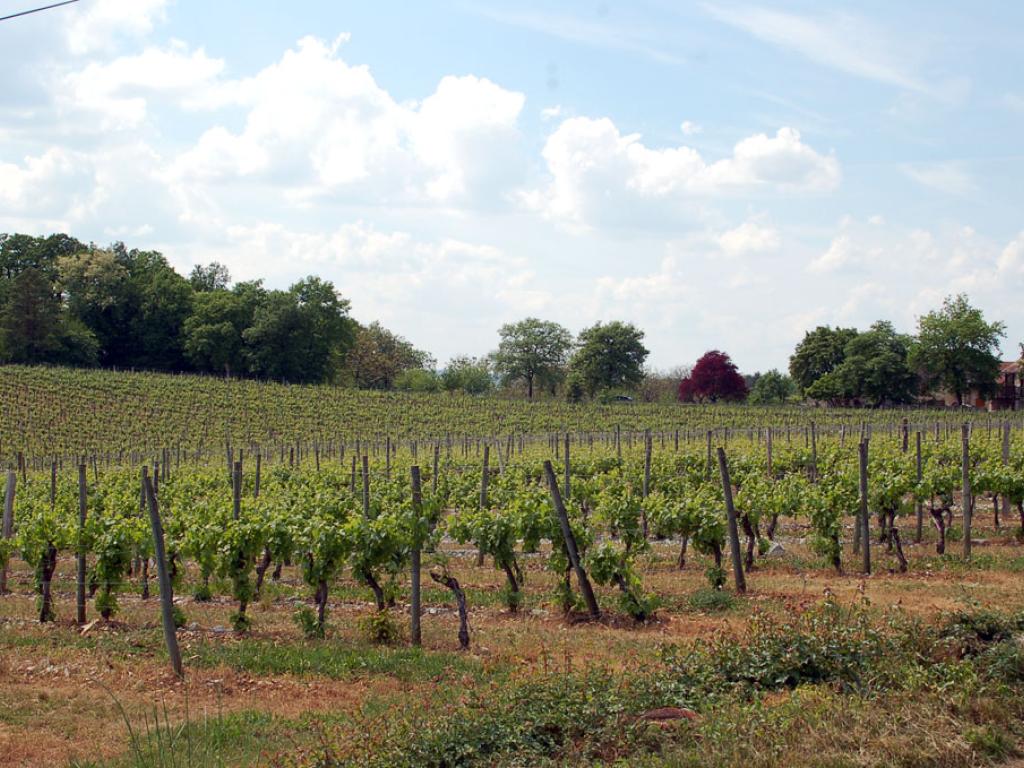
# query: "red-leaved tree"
[713,378]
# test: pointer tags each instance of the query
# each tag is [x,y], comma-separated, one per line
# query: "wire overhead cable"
[37,10]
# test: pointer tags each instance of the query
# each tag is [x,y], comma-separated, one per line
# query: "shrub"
[715,575]
[711,600]
[306,620]
[381,628]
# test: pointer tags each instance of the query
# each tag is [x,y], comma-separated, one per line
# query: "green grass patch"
[209,741]
[707,600]
[327,658]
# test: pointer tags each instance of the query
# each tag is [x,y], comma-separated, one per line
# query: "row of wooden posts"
[150,499]
[506,447]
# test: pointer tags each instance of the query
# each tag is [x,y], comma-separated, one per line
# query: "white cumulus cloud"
[97,25]
[596,172]
[118,90]
[320,125]
[749,237]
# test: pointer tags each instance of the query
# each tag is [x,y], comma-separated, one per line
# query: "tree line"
[66,302]
[955,350]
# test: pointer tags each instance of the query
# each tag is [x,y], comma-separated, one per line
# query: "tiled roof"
[1010,367]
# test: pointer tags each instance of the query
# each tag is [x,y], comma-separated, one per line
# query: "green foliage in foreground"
[834,687]
[832,654]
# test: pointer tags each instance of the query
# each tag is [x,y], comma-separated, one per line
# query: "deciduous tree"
[378,356]
[532,351]
[957,349]
[876,369]
[772,387]
[471,375]
[301,334]
[35,328]
[211,277]
[609,355]
[714,377]
[820,352]
[213,333]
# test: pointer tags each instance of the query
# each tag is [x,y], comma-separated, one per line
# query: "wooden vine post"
[166,595]
[865,521]
[415,633]
[1006,461]
[968,501]
[647,482]
[8,521]
[236,490]
[80,591]
[919,531]
[433,475]
[568,468]
[570,542]
[366,485]
[734,534]
[647,463]
[500,454]
[485,474]
[814,453]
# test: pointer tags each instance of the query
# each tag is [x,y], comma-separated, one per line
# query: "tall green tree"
[378,356]
[833,388]
[34,327]
[532,351]
[876,368]
[210,277]
[820,352]
[31,319]
[609,356]
[163,304]
[96,286]
[133,301]
[19,252]
[957,349]
[213,333]
[301,334]
[418,380]
[272,341]
[471,375]
[771,387]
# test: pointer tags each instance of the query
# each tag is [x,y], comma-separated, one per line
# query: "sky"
[725,175]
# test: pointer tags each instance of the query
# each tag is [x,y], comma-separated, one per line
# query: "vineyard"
[205,572]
